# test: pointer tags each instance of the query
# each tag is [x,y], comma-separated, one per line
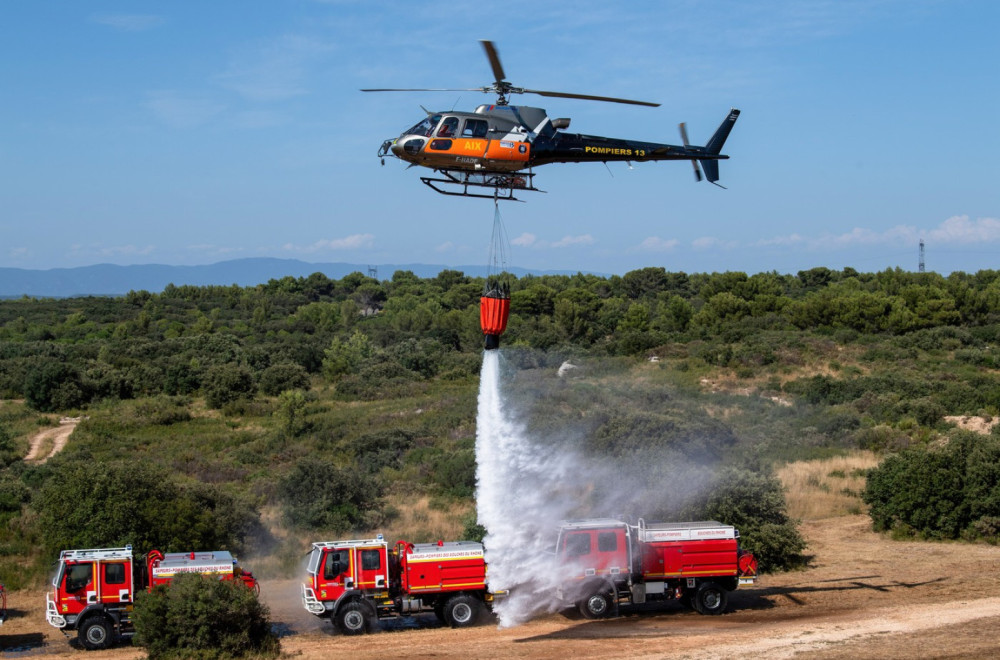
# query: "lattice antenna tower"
[373,272]
[920,266]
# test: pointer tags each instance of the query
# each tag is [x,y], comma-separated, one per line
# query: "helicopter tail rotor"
[694,163]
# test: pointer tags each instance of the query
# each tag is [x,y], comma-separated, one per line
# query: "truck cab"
[92,592]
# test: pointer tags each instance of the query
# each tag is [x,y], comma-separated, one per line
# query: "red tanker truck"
[93,590]
[355,583]
[607,562]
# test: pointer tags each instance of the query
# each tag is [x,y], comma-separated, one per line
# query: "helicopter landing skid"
[504,184]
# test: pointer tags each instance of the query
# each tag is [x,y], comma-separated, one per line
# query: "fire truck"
[355,583]
[93,590]
[607,562]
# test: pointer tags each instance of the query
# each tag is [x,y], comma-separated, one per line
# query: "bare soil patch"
[863,595]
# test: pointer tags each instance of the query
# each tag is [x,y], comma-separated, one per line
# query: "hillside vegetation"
[258,418]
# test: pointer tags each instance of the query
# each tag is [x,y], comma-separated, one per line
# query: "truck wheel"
[710,598]
[597,605]
[95,633]
[352,619]
[461,611]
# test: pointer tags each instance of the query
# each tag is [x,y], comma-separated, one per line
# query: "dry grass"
[828,487]
[424,519]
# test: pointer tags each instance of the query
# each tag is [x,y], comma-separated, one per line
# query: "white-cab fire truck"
[606,562]
[94,590]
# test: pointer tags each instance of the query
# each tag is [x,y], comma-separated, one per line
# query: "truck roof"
[96,553]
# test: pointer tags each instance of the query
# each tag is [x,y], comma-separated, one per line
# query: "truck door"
[335,573]
[115,581]
[370,567]
[78,586]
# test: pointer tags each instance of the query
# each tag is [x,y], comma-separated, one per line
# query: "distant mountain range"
[111,280]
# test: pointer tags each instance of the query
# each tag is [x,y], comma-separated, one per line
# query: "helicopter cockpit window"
[475,128]
[426,127]
[449,127]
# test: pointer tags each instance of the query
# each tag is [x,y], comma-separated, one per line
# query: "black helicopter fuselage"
[508,139]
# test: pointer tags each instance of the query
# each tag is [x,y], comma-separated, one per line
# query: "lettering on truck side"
[434,556]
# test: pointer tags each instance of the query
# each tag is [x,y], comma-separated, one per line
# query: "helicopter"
[498,145]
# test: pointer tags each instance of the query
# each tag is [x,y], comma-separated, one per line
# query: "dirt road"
[863,596]
[47,443]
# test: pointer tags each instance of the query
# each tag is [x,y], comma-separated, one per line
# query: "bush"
[754,503]
[945,493]
[226,383]
[97,505]
[285,376]
[319,495]
[198,617]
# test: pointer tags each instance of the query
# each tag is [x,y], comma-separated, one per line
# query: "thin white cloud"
[208,248]
[569,241]
[18,252]
[524,240]
[277,70]
[353,242]
[129,22]
[447,246]
[956,230]
[110,251]
[181,111]
[657,244]
[710,242]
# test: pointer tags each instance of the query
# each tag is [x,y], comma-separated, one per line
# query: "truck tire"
[462,611]
[710,598]
[597,605]
[96,633]
[352,619]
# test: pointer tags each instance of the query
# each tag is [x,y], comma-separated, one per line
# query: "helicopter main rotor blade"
[589,97]
[494,57]
[431,89]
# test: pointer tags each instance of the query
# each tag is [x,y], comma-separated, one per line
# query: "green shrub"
[319,495]
[754,503]
[203,618]
[226,383]
[97,505]
[944,493]
[285,376]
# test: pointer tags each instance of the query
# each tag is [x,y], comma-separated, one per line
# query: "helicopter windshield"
[424,128]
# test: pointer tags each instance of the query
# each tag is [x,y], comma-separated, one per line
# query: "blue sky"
[189,132]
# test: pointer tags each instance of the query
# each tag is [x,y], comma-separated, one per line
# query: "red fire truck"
[608,562]
[354,583]
[93,590]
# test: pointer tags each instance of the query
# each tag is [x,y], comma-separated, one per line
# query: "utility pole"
[921,266]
